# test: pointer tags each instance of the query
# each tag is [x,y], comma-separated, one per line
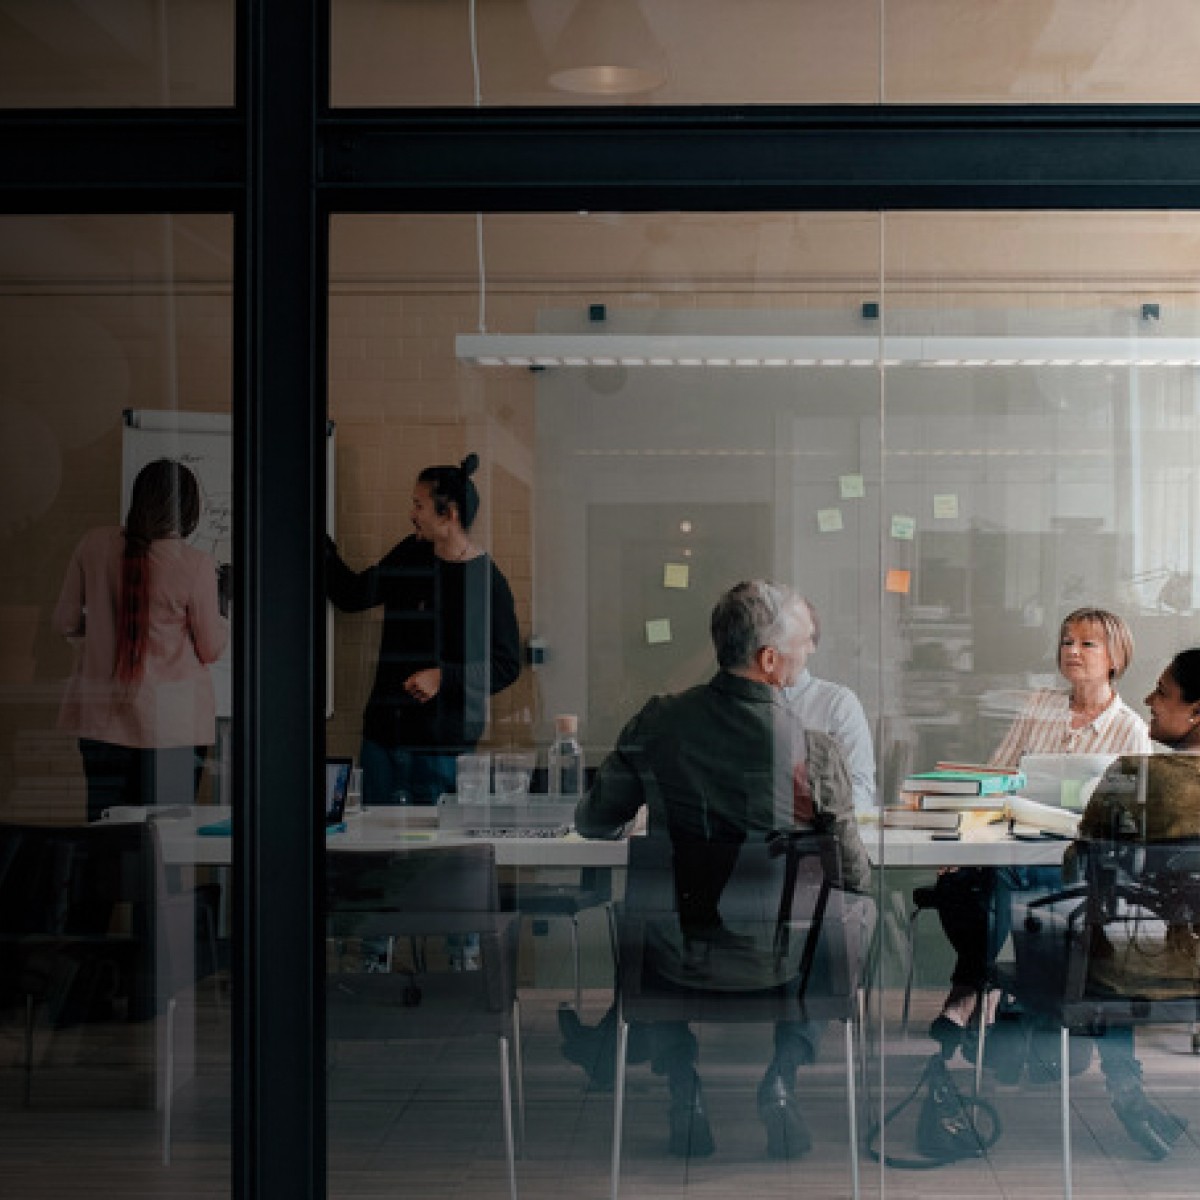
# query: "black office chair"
[60,948]
[790,944]
[1098,954]
[422,893]
[538,899]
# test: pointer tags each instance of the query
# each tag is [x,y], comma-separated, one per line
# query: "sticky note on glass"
[898,582]
[829,520]
[903,527]
[852,487]
[945,507]
[675,575]
[658,631]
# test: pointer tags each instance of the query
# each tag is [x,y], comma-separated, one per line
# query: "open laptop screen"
[337,783]
[1063,780]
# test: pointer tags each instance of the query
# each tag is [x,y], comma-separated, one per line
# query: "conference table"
[986,841]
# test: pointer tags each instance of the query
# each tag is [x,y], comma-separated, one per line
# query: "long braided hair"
[165,501]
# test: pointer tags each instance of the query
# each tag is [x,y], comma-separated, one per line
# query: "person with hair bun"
[449,641]
[143,606]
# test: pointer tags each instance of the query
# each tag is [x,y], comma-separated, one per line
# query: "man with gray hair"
[718,763]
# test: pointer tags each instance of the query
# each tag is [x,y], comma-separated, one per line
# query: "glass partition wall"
[946,431]
[115,917]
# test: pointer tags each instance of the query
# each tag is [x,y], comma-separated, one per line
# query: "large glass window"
[115,916]
[947,431]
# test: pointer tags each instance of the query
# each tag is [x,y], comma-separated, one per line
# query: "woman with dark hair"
[1146,799]
[449,641]
[143,605]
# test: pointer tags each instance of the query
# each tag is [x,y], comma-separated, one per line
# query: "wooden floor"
[428,1125]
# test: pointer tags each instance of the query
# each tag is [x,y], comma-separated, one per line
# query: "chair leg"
[28,1048]
[982,1004]
[506,1113]
[214,953]
[1064,1058]
[168,1083]
[852,1105]
[619,1103]
[575,959]
[519,1067]
[613,941]
[912,967]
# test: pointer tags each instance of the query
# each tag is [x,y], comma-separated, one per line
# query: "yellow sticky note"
[658,631]
[829,520]
[945,507]
[903,527]
[898,582]
[675,575]
[852,487]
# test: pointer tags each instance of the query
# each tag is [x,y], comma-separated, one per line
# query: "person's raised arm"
[351,591]
[209,630]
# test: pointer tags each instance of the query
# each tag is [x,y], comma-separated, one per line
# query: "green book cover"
[966,783]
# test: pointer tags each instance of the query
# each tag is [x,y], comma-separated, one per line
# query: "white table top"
[386,829]
[983,844]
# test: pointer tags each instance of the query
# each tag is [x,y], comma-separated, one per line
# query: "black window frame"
[282,163]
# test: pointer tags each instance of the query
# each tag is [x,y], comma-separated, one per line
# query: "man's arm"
[618,792]
[833,796]
[852,733]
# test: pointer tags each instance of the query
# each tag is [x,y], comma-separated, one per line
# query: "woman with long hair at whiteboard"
[142,606]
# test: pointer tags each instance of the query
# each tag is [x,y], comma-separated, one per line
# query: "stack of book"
[958,787]
[919,818]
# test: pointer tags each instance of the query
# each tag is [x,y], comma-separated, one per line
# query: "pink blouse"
[173,704]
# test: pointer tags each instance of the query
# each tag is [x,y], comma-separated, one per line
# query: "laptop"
[1063,780]
[337,784]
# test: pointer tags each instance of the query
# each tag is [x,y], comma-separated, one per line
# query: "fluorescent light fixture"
[748,351]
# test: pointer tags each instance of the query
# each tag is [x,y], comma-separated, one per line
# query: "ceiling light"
[607,48]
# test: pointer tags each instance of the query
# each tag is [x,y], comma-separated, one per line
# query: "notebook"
[1063,780]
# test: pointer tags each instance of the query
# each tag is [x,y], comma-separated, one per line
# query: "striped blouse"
[1044,727]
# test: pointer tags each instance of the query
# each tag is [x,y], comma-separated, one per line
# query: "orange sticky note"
[898,581]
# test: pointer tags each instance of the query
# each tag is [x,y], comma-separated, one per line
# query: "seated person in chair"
[717,764]
[1148,800]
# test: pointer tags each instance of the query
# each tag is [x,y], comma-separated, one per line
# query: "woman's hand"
[424,685]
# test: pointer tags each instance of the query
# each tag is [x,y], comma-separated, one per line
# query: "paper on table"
[1043,816]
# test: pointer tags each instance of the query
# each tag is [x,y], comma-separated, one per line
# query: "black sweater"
[458,617]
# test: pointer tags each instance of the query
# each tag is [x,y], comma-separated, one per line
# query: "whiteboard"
[203,442]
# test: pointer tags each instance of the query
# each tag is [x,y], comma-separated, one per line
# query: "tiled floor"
[428,1125]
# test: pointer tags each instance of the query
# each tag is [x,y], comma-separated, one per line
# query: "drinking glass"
[354,792]
[514,770]
[471,778]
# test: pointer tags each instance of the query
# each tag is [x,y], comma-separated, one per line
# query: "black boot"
[691,1134]
[593,1049]
[1147,1124]
[787,1134]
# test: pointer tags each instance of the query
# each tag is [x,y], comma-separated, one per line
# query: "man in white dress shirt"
[830,708]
